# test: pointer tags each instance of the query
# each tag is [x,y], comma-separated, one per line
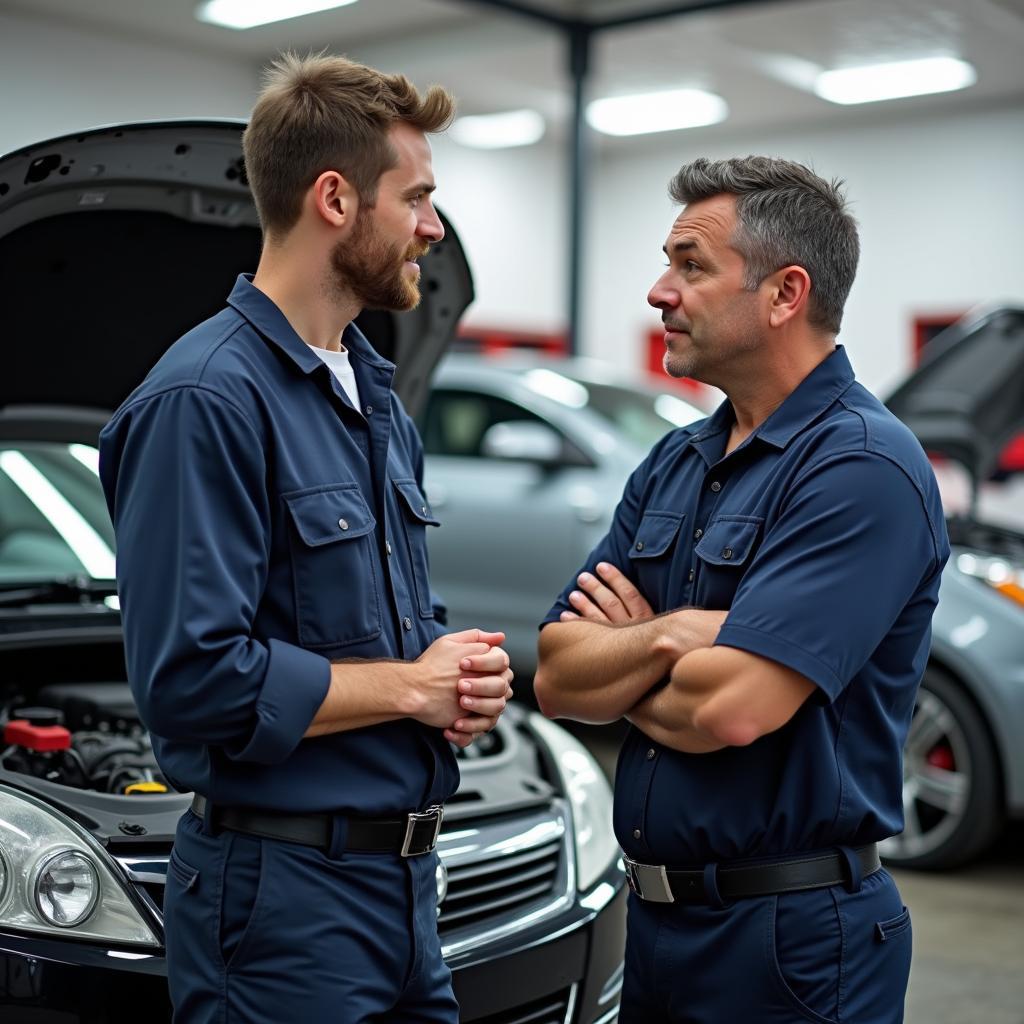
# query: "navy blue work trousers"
[261,931]
[827,956]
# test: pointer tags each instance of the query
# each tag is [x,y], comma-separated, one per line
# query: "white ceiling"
[757,55]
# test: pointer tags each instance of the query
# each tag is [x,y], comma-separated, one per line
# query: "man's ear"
[789,290]
[334,200]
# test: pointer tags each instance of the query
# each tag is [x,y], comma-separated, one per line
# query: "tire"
[952,789]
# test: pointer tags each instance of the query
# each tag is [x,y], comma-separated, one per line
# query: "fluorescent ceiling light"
[499,131]
[876,82]
[249,13]
[656,112]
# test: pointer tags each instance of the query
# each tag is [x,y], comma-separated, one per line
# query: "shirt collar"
[812,396]
[263,313]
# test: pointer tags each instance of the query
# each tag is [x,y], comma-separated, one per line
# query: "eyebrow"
[685,245]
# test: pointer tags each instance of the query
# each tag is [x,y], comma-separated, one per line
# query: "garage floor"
[968,928]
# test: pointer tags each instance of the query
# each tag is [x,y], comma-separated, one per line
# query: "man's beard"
[373,271]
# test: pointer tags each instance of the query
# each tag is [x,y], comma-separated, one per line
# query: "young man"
[266,490]
[760,612]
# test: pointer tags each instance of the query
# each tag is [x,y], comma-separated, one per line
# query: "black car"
[114,242]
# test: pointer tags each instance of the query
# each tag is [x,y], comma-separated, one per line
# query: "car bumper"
[571,970]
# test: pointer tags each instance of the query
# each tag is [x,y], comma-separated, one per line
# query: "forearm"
[721,697]
[594,672]
[669,716]
[364,693]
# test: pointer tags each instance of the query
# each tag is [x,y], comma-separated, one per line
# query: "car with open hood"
[114,242]
[528,457]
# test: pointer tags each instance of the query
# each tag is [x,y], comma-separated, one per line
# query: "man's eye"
[690,265]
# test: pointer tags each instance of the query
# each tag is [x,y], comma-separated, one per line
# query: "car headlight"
[54,878]
[590,797]
[1001,575]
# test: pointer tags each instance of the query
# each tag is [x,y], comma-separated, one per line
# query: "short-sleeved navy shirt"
[823,536]
[265,528]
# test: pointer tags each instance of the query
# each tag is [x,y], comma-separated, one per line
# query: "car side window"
[455,421]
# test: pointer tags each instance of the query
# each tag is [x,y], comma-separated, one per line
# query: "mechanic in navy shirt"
[791,547]
[282,640]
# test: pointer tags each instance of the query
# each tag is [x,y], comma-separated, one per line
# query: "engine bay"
[84,735]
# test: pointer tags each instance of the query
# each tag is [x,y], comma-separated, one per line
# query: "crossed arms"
[613,658]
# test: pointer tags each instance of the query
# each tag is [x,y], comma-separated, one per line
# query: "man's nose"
[662,297]
[430,227]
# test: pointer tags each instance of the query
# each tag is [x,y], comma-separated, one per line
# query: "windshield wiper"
[62,590]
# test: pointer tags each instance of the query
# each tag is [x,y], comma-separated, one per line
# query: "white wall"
[939,202]
[509,208]
[57,79]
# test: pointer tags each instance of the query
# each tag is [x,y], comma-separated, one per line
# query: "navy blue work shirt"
[265,527]
[823,536]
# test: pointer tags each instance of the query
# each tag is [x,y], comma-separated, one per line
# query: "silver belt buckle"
[434,815]
[649,881]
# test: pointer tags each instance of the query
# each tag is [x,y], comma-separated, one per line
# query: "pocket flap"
[729,540]
[656,534]
[415,501]
[330,514]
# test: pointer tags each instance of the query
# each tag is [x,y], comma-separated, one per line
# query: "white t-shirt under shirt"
[341,367]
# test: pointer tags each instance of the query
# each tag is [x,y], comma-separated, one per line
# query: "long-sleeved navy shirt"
[265,528]
[823,536]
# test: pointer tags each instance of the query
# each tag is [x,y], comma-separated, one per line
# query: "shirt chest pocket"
[651,555]
[416,517]
[337,596]
[722,556]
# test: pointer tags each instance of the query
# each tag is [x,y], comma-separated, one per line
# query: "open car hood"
[966,400]
[116,241]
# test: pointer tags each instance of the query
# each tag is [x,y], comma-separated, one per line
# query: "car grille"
[496,869]
[553,1009]
[499,884]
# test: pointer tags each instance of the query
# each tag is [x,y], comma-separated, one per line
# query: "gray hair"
[786,215]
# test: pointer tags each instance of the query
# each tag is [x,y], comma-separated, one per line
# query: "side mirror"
[523,441]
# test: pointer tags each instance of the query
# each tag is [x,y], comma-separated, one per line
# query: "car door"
[513,530]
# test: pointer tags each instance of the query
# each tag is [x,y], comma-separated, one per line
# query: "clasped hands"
[467,683]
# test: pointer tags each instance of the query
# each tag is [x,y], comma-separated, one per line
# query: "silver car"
[527,458]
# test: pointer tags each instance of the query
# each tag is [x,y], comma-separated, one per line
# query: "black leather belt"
[411,836]
[655,883]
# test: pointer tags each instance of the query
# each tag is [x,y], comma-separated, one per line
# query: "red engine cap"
[37,737]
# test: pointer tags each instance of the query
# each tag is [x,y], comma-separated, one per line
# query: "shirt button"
[697,534]
[727,552]
[636,833]
[639,545]
[387,546]
[407,622]
[651,754]
[369,410]
[691,576]
[423,509]
[715,486]
[343,523]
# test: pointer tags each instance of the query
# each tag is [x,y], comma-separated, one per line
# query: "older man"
[760,613]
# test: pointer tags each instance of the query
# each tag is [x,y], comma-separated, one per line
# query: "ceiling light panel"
[875,82]
[668,111]
[499,131]
[241,14]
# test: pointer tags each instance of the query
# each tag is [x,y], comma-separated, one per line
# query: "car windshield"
[642,416]
[53,518]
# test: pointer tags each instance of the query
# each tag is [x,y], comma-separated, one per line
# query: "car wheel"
[952,802]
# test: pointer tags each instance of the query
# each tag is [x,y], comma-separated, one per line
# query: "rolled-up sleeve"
[185,478]
[851,548]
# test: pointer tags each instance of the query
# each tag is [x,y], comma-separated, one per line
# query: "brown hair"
[786,215]
[321,113]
